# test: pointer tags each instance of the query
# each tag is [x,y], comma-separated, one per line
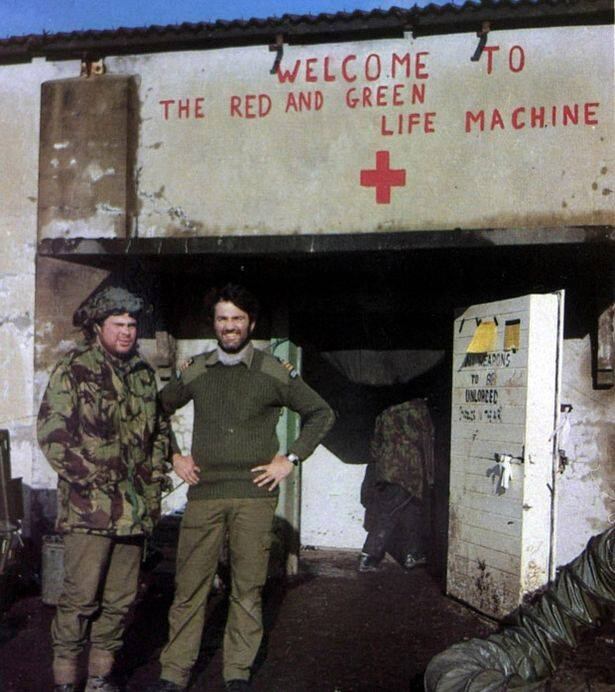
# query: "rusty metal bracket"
[605,349]
[165,355]
[482,41]
[91,67]
[278,49]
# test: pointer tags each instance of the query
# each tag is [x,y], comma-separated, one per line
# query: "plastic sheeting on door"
[527,652]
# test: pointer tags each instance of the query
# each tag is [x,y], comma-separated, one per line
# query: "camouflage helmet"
[111,300]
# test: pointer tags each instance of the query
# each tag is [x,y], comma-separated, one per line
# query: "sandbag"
[526,653]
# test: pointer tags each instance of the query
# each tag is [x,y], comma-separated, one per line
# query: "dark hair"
[232,293]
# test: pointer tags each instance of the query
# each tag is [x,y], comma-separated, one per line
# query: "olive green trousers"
[204,525]
[101,576]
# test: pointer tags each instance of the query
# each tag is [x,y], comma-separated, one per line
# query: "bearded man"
[233,471]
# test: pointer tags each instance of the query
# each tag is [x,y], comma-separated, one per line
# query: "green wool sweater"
[236,409]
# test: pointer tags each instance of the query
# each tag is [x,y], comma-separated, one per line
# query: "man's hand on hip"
[272,473]
[186,469]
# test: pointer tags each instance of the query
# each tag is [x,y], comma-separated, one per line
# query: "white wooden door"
[505,408]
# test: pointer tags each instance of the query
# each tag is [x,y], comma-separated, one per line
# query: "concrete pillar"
[87,152]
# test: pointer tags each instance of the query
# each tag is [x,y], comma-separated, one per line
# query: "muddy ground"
[329,629]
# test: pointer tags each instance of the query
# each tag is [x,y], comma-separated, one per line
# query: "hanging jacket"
[402,447]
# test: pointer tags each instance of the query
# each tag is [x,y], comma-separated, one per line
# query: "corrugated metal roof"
[449,18]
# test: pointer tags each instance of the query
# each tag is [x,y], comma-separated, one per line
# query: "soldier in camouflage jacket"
[101,428]
[396,486]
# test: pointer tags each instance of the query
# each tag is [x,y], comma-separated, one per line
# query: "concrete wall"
[331,510]
[87,144]
[223,173]
[586,490]
[19,114]
[517,138]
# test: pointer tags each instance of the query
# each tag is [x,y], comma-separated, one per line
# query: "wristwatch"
[293,458]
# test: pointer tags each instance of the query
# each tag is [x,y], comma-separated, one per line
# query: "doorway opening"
[375,327]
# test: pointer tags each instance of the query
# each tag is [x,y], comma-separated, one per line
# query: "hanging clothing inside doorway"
[395,488]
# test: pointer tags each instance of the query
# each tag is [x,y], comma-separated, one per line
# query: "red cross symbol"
[383,178]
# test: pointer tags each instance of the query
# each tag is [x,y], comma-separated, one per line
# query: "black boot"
[100,683]
[412,560]
[368,563]
[238,685]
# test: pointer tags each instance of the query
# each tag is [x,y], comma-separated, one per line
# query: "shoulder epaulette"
[290,368]
[192,367]
[276,367]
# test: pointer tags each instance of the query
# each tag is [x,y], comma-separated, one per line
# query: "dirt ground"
[329,629]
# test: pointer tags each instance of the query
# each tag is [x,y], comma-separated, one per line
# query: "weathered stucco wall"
[586,489]
[387,135]
[19,115]
[223,146]
[331,509]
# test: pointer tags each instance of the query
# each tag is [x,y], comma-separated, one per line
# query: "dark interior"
[376,300]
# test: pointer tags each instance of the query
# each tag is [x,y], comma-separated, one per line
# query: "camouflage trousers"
[204,526]
[100,584]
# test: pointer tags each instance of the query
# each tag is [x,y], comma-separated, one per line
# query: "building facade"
[396,185]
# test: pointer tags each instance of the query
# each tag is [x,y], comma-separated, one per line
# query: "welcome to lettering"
[371,68]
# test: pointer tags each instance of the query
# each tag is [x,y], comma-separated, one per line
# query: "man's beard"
[120,355]
[234,349]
